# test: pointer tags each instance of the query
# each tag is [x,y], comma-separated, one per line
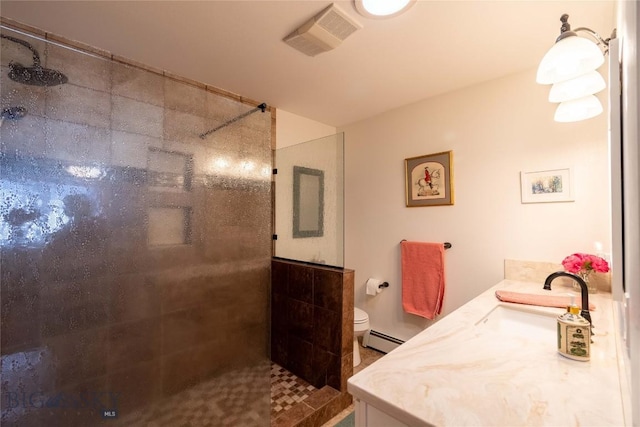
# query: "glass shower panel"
[135,256]
[309,202]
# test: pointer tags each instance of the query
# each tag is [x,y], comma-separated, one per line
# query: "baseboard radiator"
[380,341]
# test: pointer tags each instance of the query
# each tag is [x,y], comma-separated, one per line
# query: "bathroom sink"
[517,320]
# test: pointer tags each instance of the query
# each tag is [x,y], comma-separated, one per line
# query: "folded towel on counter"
[541,300]
[422,278]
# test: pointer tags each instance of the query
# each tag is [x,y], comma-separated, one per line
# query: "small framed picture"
[429,180]
[547,186]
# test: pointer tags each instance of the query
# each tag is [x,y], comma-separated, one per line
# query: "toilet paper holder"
[375,286]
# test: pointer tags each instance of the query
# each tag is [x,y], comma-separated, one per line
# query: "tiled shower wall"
[312,321]
[135,255]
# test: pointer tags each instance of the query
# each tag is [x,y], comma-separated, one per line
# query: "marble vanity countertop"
[457,374]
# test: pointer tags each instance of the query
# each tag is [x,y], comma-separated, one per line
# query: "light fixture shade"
[380,9]
[578,109]
[569,58]
[586,84]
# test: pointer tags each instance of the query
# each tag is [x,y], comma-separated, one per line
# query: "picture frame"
[429,180]
[547,186]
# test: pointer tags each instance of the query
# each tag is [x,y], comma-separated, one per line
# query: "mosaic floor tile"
[233,399]
[286,390]
[237,398]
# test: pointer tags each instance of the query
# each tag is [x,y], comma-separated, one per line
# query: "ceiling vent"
[323,32]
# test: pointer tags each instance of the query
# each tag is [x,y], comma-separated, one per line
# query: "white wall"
[495,130]
[292,129]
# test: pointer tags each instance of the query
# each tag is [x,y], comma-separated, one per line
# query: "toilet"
[360,327]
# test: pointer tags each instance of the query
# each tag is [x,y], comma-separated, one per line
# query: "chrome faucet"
[584,312]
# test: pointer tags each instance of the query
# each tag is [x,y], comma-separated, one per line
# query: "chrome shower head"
[34,75]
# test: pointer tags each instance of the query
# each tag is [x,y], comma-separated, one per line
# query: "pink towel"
[541,300]
[422,278]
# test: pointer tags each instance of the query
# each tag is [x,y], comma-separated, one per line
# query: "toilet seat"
[360,316]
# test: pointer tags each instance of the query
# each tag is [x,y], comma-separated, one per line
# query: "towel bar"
[446,245]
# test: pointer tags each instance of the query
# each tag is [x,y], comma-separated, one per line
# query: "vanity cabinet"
[485,364]
[370,416]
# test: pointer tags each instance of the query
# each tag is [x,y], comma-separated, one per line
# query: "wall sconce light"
[570,66]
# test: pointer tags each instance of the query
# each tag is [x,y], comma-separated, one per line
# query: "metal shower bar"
[260,107]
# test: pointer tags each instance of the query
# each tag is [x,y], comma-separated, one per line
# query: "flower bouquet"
[583,265]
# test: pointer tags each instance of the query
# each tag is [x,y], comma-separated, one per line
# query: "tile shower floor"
[236,398]
[286,390]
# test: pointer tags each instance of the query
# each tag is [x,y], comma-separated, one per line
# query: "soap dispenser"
[574,334]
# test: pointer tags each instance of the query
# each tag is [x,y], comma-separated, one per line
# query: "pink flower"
[599,265]
[573,263]
[584,264]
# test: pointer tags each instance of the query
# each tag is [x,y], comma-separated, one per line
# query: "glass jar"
[592,287]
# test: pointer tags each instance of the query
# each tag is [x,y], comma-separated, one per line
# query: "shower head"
[34,75]
[13,113]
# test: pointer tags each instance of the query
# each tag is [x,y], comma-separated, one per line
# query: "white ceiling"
[435,47]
